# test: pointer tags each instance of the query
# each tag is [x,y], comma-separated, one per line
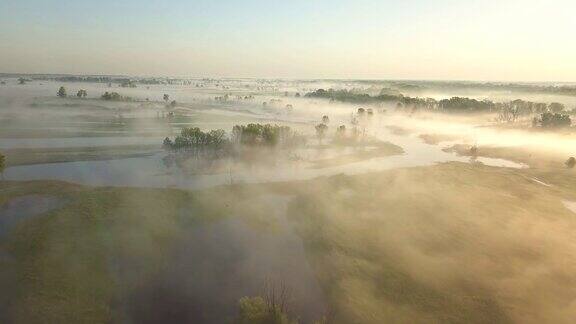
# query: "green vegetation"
[114,96]
[509,111]
[128,84]
[29,156]
[64,261]
[549,120]
[81,93]
[62,92]
[266,135]
[196,141]
[395,246]
[272,309]
[195,150]
[368,239]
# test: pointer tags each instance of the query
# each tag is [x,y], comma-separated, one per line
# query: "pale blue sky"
[430,39]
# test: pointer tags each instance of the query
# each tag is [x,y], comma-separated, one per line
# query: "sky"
[500,40]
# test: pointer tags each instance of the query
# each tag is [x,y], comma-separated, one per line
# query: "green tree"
[272,309]
[61,92]
[166,97]
[81,93]
[556,107]
[550,120]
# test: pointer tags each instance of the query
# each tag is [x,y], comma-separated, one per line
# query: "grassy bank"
[448,243]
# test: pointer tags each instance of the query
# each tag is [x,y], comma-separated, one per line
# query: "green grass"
[64,260]
[449,243]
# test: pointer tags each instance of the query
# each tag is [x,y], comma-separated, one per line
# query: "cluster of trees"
[509,111]
[271,308]
[349,96]
[63,94]
[552,121]
[197,141]
[322,128]
[460,104]
[74,78]
[113,96]
[257,310]
[266,135]
[128,84]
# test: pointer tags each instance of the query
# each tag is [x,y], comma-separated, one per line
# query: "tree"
[114,96]
[570,163]
[166,97]
[81,93]
[321,131]
[61,92]
[21,81]
[341,131]
[167,144]
[556,107]
[173,103]
[550,120]
[270,309]
[325,120]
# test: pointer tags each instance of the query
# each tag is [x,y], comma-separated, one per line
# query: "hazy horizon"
[511,40]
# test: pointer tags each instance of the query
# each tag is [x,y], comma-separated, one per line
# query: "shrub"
[552,120]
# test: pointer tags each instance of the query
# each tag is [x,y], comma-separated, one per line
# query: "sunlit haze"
[528,40]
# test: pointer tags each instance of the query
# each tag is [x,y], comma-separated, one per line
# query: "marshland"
[303,162]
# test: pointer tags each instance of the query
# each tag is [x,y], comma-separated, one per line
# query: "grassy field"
[54,155]
[63,260]
[450,243]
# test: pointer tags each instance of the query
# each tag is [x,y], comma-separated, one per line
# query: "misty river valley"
[194,201]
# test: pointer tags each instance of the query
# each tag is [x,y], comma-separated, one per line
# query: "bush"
[550,120]
[61,92]
[113,96]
